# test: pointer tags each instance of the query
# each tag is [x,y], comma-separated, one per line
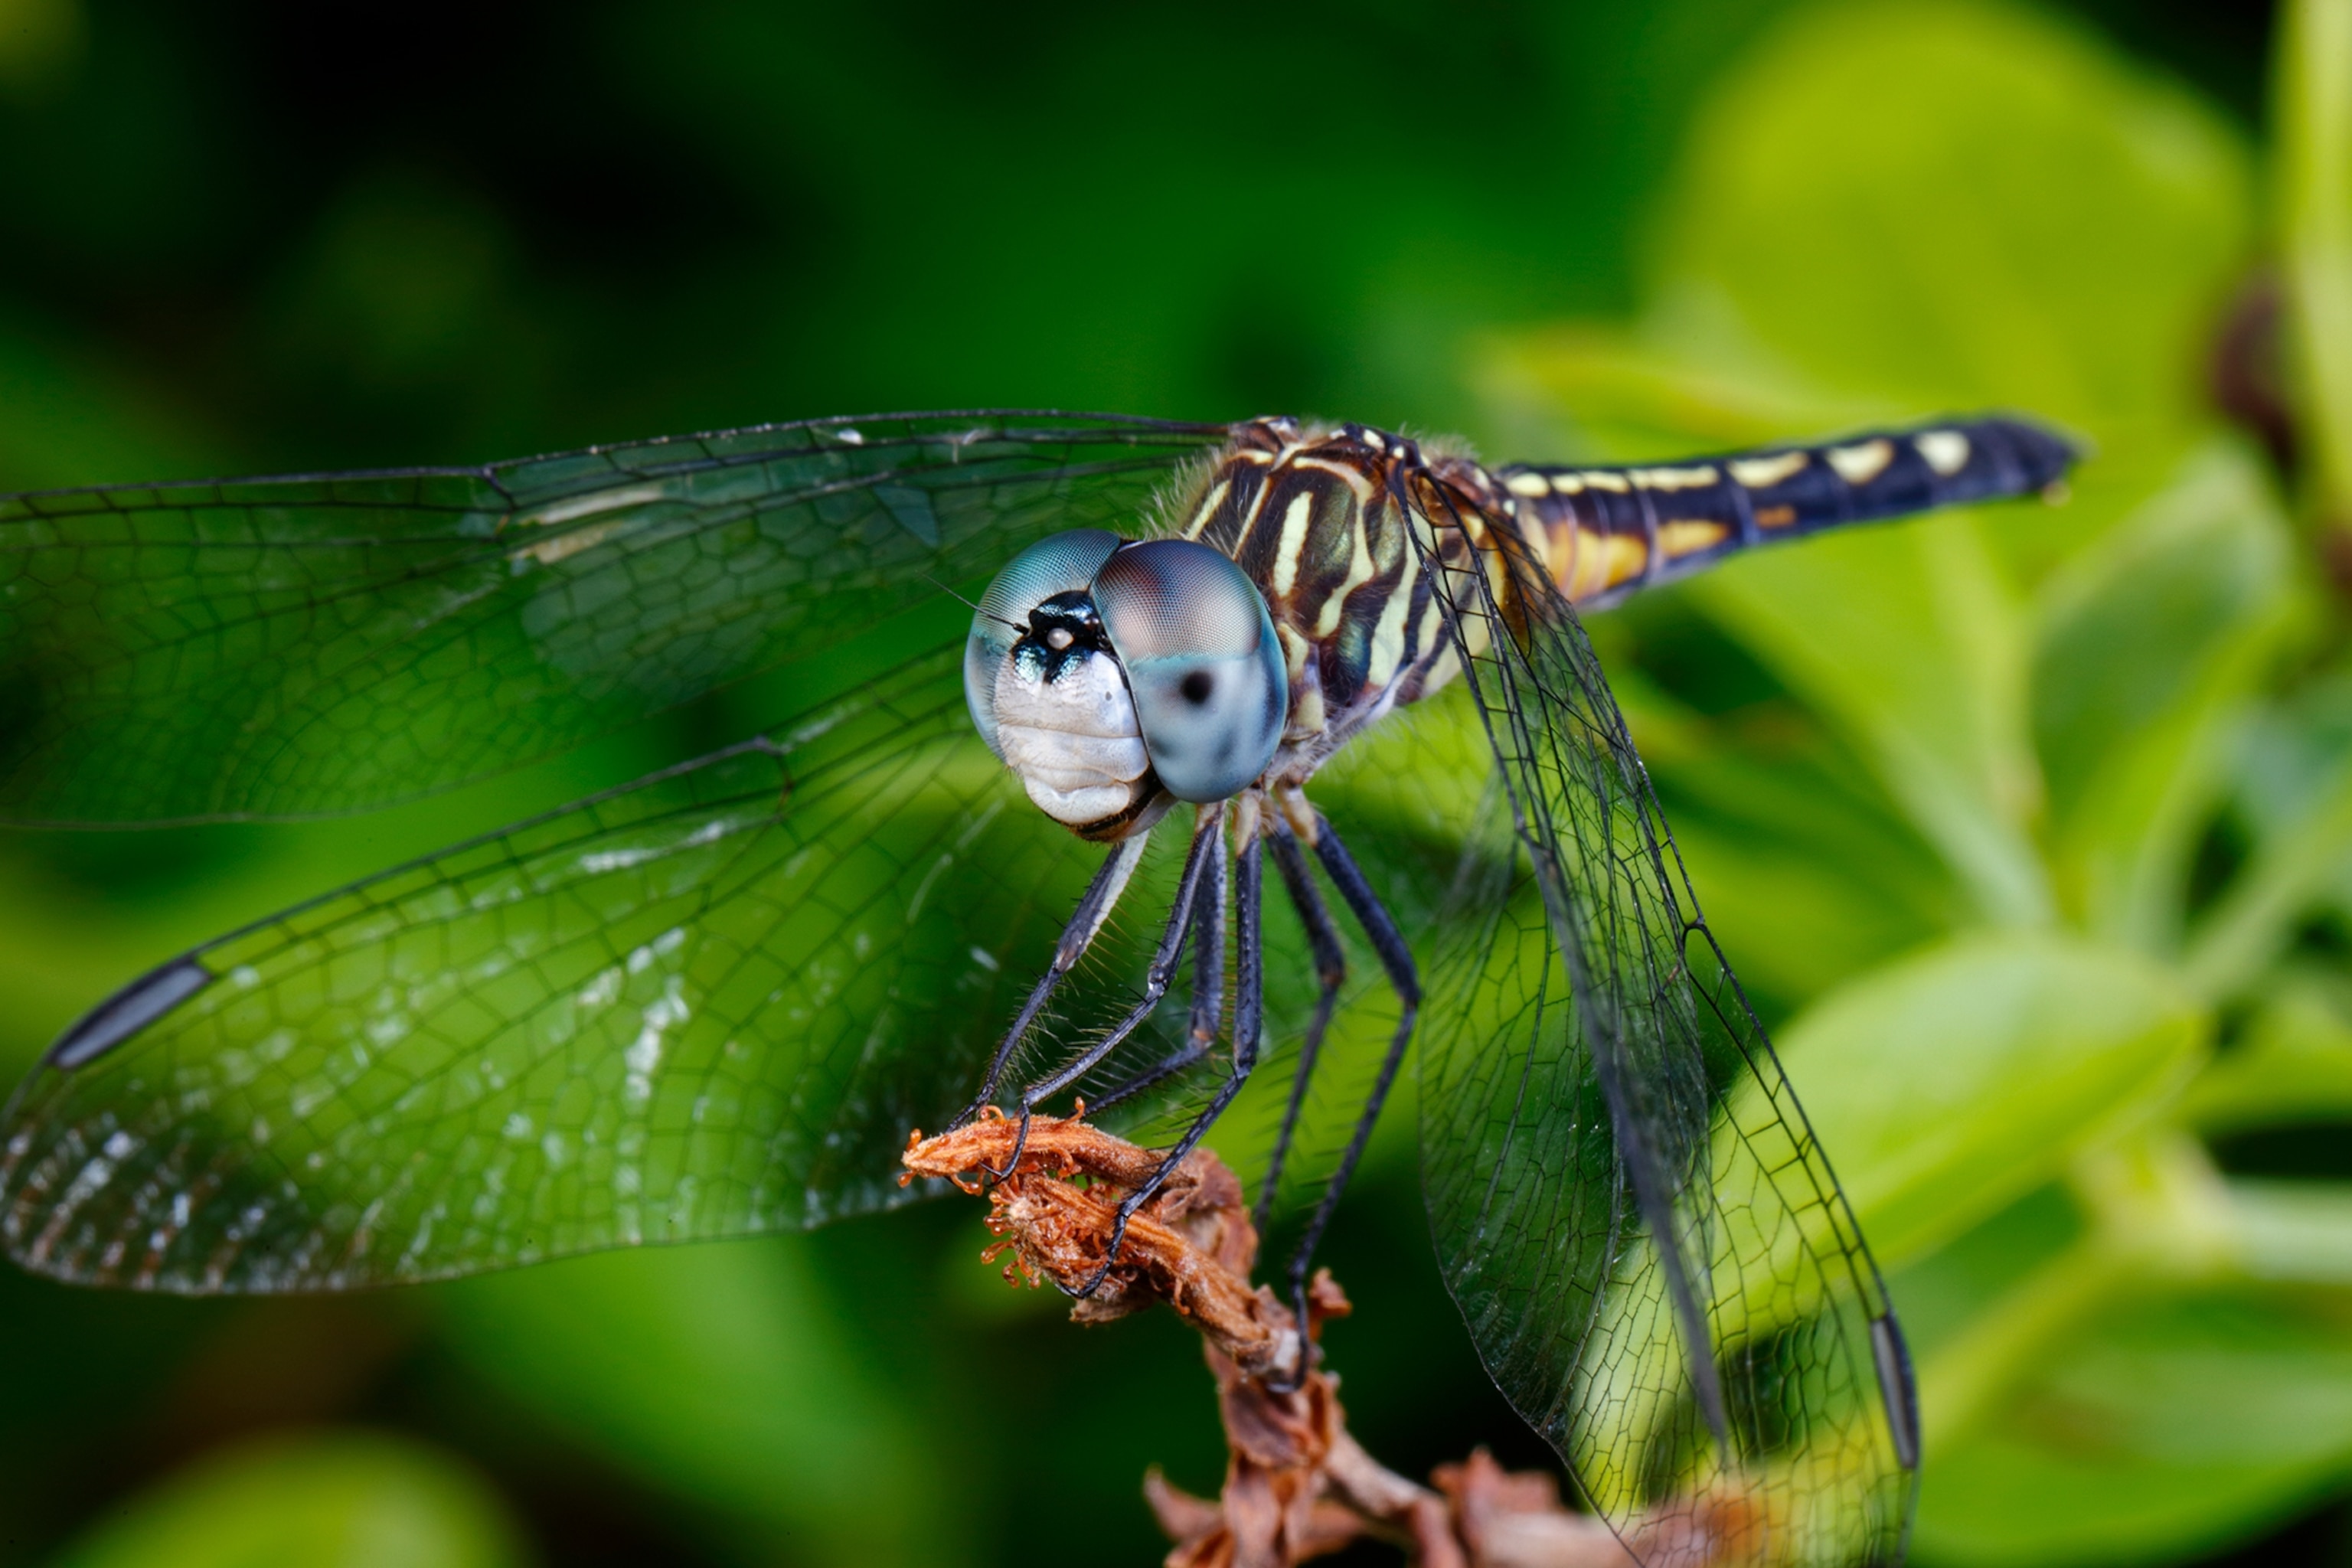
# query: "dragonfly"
[713,1001]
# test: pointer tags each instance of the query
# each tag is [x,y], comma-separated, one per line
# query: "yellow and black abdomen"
[1606,532]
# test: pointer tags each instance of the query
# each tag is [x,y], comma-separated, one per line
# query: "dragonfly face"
[714,1001]
[1156,679]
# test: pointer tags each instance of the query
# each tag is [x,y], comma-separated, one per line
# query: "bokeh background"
[2031,830]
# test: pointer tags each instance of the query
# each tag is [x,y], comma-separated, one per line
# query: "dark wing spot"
[126,1012]
[1198,687]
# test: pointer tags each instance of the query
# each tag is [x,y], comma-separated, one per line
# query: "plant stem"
[2312,87]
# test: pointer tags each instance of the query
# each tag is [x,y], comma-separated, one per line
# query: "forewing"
[1650,1250]
[711,1003]
[283,646]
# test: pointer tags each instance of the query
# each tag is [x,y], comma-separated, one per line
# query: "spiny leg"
[1086,924]
[1330,969]
[1208,990]
[1249,1010]
[1208,844]
[1395,958]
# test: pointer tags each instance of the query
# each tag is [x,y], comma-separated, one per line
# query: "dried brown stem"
[1297,1485]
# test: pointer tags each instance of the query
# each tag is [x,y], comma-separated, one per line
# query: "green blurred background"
[2032,831]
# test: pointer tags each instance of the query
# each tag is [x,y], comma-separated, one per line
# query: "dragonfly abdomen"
[1606,532]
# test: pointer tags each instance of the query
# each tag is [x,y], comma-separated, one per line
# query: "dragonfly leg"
[1085,922]
[1330,969]
[1249,1013]
[1208,992]
[1208,844]
[1395,958]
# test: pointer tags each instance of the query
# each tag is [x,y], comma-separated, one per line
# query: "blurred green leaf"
[2252,919]
[2314,193]
[1910,642]
[1942,1293]
[2153,642]
[2292,1062]
[1886,212]
[327,1500]
[1791,924]
[2294,1233]
[1952,1083]
[2152,1212]
[2163,1427]
[1625,391]
[1962,206]
[1889,211]
[2288,768]
[1805,870]
[720,1373]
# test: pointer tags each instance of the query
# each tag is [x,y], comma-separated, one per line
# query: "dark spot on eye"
[1197,687]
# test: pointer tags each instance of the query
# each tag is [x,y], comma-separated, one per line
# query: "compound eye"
[1064,564]
[1201,662]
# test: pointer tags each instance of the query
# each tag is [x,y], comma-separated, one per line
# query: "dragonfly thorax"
[1116,678]
[1339,526]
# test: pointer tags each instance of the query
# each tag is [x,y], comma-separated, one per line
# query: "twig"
[1297,1485]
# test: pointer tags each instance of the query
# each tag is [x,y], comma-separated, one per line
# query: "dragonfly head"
[1115,677]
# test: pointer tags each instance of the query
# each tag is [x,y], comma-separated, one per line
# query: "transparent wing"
[284,647]
[1650,1250]
[709,1003]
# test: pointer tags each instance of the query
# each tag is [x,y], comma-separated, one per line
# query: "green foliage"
[1956,1080]
[1948,792]
[2312,186]
[719,1369]
[2126,1354]
[329,1501]
[1948,205]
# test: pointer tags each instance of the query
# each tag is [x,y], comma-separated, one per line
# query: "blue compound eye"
[1193,635]
[1065,564]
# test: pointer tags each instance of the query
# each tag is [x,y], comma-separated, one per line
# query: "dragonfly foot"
[990,1175]
[1291,1379]
[981,1103]
[1118,1238]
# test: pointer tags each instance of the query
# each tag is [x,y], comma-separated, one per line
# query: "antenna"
[968,604]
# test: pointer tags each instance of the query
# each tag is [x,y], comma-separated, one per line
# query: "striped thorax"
[1325,522]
